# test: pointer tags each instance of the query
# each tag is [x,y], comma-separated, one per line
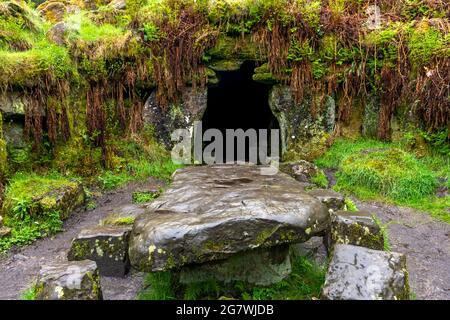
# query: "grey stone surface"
[356,228]
[259,267]
[358,273]
[314,249]
[303,131]
[123,214]
[301,170]
[370,117]
[332,199]
[13,105]
[212,212]
[107,245]
[175,116]
[78,280]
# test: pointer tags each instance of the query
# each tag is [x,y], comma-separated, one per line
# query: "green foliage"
[320,179]
[305,282]
[161,286]
[29,229]
[384,232]
[299,51]
[310,11]
[425,42]
[137,170]
[145,196]
[392,173]
[379,170]
[23,188]
[343,148]
[438,140]
[350,205]
[29,294]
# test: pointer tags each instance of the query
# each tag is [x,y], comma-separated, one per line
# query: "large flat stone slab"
[213,212]
[358,273]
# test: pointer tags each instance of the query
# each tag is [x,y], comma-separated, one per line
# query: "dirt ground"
[19,267]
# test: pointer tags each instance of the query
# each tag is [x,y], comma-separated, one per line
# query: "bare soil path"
[19,267]
[426,244]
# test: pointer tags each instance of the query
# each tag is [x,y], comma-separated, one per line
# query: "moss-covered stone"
[124,215]
[241,48]
[226,65]
[332,199]
[305,126]
[263,75]
[107,245]
[77,280]
[355,228]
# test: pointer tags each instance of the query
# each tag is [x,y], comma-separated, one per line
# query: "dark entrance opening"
[238,102]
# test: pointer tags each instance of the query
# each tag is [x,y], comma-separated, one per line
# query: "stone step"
[358,273]
[76,280]
[356,228]
[106,245]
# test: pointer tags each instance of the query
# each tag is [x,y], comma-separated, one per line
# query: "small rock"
[118,4]
[78,280]
[356,228]
[57,33]
[332,199]
[314,248]
[357,273]
[4,231]
[20,257]
[107,245]
[52,11]
[301,170]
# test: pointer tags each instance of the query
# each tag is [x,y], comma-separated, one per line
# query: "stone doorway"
[238,102]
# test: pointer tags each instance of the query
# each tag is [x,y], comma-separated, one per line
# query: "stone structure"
[213,212]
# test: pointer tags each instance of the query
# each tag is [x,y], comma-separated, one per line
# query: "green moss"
[31,293]
[24,188]
[226,65]
[425,43]
[384,232]
[379,170]
[229,48]
[320,179]
[124,221]
[350,205]
[80,249]
[392,173]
